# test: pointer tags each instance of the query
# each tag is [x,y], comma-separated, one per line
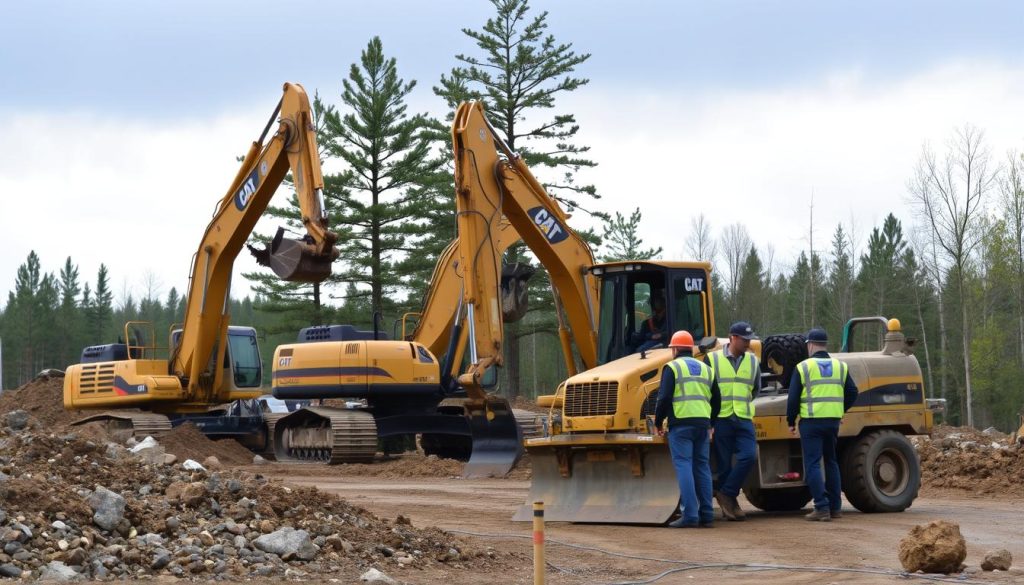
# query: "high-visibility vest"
[736,384]
[823,380]
[692,395]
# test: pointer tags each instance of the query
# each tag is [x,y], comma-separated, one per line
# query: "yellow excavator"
[437,384]
[211,363]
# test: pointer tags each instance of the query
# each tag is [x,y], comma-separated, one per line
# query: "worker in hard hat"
[820,392]
[690,404]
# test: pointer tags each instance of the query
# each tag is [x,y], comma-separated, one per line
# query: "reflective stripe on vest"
[691,397]
[737,386]
[823,381]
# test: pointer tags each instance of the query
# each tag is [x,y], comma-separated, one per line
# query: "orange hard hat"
[681,340]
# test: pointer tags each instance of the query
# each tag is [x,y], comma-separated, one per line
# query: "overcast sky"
[121,121]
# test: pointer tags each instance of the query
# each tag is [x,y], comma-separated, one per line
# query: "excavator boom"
[197,374]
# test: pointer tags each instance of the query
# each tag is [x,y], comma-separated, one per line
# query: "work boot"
[836,514]
[819,516]
[726,505]
[680,523]
[730,507]
[737,511]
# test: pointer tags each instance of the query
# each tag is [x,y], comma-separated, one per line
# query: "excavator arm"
[493,183]
[197,356]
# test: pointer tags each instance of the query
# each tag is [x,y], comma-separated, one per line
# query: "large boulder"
[287,543]
[108,508]
[997,560]
[936,547]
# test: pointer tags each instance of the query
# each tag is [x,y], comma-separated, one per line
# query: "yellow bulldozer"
[601,462]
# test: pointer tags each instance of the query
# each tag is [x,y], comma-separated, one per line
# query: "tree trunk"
[511,359]
[967,350]
[924,340]
[318,318]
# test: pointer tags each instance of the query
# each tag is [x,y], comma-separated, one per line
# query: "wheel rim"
[891,472]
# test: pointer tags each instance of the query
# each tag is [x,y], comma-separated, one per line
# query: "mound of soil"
[188,442]
[968,460]
[43,399]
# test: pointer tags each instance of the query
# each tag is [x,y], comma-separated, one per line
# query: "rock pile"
[972,461]
[74,508]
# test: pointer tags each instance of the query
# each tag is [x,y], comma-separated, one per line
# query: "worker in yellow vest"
[687,401]
[820,392]
[737,373]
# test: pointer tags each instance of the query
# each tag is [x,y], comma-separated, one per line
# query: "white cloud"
[131,194]
[137,195]
[756,156]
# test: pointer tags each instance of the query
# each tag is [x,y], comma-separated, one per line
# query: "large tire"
[780,355]
[777,500]
[881,472]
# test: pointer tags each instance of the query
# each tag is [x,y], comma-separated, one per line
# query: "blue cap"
[817,335]
[742,329]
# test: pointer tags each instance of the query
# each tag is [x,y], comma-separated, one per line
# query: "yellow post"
[538,543]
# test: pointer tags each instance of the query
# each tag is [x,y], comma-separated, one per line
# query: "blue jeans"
[733,436]
[690,455]
[818,439]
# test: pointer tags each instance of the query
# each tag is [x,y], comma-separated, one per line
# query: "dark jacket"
[664,409]
[796,388]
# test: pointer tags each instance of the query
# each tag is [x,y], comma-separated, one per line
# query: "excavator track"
[321,434]
[270,419]
[136,424]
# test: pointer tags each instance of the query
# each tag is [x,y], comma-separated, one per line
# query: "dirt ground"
[968,479]
[858,541]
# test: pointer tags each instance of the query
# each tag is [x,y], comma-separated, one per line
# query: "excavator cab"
[643,303]
[243,367]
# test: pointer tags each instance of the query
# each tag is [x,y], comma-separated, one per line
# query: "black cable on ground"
[691,565]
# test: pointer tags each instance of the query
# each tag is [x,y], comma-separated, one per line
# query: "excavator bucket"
[627,481]
[497,441]
[514,297]
[293,260]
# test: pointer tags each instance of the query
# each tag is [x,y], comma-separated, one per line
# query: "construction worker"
[737,374]
[686,400]
[820,392]
[653,333]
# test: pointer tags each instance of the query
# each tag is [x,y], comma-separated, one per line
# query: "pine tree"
[100,317]
[70,323]
[752,292]
[379,203]
[622,240]
[518,71]
[877,277]
[839,287]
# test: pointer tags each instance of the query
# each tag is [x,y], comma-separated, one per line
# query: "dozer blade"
[627,483]
[497,441]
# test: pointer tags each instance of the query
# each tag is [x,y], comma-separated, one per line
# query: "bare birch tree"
[949,194]
[735,245]
[700,242]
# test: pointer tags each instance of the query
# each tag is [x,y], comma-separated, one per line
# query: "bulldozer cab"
[643,303]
